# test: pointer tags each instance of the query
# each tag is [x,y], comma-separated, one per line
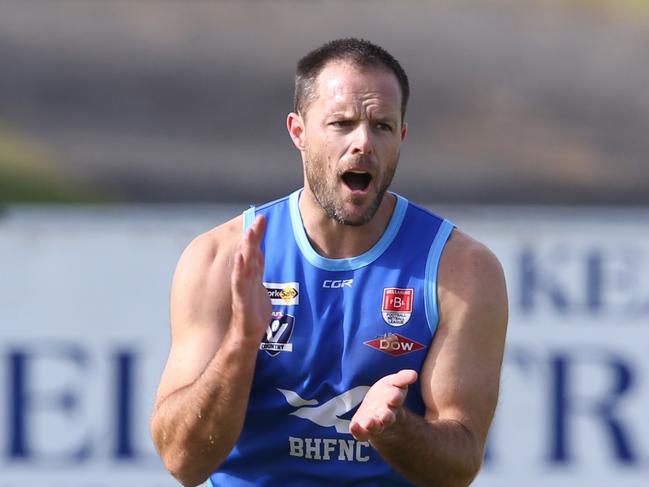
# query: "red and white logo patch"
[394,344]
[397,305]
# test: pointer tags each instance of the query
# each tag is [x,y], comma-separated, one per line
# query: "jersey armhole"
[248,218]
[430,283]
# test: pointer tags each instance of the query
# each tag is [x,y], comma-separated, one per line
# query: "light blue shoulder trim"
[209,479]
[351,263]
[432,263]
[248,218]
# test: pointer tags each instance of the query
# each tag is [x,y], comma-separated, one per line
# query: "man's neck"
[335,240]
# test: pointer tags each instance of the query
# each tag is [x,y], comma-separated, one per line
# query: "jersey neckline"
[350,263]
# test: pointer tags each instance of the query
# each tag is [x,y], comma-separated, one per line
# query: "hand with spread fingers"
[382,405]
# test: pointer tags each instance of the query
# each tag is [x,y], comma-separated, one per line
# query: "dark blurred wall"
[513,101]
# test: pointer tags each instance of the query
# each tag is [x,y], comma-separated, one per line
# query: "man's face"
[352,137]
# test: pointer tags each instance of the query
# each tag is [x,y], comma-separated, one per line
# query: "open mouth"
[357,180]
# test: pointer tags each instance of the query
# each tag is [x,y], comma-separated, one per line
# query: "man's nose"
[362,142]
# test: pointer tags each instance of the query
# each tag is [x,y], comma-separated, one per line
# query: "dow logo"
[394,344]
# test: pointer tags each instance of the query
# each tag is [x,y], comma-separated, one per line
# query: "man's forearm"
[195,427]
[442,453]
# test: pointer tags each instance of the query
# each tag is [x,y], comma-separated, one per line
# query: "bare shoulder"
[212,246]
[209,252]
[470,272]
[465,255]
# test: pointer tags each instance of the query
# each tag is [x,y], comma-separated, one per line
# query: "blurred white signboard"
[84,336]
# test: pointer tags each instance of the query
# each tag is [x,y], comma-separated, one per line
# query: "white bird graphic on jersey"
[327,414]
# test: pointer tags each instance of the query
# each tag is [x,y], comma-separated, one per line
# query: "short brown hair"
[359,52]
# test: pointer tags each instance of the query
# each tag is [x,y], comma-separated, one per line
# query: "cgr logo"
[337,283]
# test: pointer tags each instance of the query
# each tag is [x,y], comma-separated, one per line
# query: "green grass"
[28,174]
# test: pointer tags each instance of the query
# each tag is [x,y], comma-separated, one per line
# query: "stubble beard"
[323,188]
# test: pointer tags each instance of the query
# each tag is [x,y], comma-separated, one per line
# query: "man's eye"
[341,123]
[384,126]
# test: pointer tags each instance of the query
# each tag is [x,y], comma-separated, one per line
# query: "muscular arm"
[459,379]
[219,311]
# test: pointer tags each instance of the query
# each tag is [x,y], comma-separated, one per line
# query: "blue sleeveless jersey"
[337,326]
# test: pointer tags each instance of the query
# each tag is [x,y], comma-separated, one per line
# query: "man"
[349,337]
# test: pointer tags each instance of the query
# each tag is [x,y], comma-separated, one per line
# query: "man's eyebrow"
[384,117]
[341,113]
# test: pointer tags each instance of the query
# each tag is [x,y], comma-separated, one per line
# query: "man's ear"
[295,126]
[404,131]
